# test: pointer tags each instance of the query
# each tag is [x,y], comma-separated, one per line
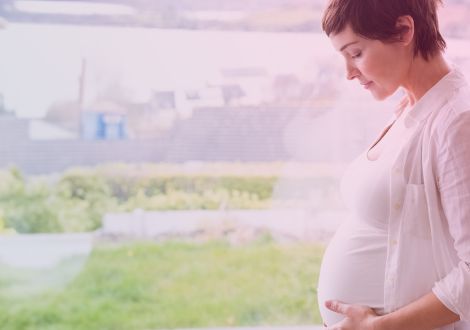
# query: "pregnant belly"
[353,269]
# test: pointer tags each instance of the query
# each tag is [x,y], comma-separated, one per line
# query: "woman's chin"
[379,95]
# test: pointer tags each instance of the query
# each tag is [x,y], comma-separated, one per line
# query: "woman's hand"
[357,317]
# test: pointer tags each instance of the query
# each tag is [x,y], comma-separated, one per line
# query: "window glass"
[175,164]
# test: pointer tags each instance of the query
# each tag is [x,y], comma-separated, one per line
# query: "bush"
[163,191]
[31,210]
[207,200]
[78,199]
[38,206]
[125,187]
[86,197]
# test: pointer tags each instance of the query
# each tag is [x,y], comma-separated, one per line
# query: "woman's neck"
[423,75]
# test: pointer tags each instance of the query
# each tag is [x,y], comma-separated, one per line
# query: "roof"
[43,130]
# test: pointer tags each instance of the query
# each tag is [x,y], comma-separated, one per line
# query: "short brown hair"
[376,19]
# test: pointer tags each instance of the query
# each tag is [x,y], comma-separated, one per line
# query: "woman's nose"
[351,72]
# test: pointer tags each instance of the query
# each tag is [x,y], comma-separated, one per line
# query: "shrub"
[31,210]
[78,199]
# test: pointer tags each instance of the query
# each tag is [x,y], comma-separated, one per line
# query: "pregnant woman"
[402,259]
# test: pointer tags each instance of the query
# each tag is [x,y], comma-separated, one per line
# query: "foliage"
[27,208]
[77,199]
[39,206]
[3,228]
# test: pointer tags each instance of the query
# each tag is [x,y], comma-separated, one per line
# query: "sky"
[41,64]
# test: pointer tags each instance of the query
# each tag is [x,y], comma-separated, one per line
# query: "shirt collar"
[436,97]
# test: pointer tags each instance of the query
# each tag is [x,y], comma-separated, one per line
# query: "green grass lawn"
[175,284]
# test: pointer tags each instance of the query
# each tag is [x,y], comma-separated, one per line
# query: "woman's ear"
[406,29]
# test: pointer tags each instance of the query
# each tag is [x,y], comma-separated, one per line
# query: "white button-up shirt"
[429,227]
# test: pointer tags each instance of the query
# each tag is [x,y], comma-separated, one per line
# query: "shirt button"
[397,170]
[397,206]
[394,242]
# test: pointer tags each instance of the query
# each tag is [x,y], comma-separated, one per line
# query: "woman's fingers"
[357,317]
[338,306]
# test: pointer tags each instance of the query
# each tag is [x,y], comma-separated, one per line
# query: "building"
[104,121]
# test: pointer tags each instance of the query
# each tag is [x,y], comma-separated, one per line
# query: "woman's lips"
[367,85]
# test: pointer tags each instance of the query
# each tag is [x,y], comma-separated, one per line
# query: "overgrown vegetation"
[177,285]
[76,200]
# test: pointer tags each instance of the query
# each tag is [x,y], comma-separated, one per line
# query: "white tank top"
[353,266]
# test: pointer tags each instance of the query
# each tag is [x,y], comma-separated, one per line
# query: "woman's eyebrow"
[347,45]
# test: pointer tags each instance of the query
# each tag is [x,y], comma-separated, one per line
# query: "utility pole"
[81,94]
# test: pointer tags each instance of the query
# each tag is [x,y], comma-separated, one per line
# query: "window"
[174,163]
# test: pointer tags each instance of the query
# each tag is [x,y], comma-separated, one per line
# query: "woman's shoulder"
[454,116]
[460,102]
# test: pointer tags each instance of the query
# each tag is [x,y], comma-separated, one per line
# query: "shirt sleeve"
[453,177]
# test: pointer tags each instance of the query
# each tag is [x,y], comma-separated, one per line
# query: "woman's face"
[380,67]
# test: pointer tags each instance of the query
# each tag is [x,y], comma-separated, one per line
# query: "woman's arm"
[426,313]
[451,163]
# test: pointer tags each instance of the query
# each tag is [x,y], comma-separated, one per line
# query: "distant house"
[164,108]
[44,130]
[233,94]
[150,119]
[163,100]
[245,86]
[104,121]
[208,96]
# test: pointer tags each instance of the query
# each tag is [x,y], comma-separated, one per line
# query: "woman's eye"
[356,55]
